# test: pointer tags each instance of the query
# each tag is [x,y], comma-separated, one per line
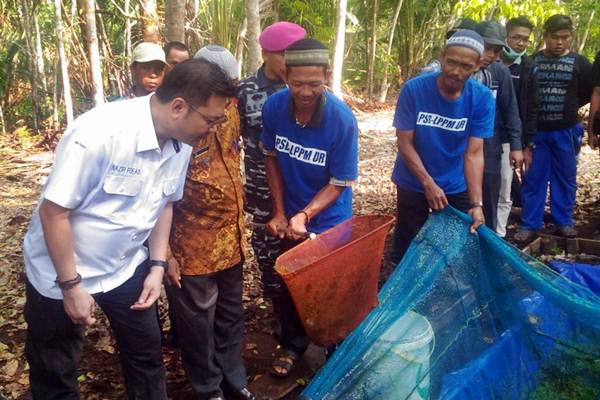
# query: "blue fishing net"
[467,316]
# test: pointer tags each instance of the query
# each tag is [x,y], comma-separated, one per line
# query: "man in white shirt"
[117,172]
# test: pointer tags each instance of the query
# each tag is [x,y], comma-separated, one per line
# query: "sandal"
[284,364]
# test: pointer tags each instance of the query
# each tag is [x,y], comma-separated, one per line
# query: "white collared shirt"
[111,172]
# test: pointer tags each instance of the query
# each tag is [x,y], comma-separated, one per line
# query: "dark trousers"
[266,249]
[293,336]
[412,211]
[210,327]
[491,193]
[54,343]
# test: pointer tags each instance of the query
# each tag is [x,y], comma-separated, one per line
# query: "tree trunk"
[384,84]
[127,38]
[372,50]
[2,121]
[586,32]
[39,54]
[23,12]
[174,20]
[149,16]
[338,54]
[252,32]
[64,61]
[239,47]
[91,37]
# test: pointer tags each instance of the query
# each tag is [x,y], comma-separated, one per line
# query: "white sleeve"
[78,167]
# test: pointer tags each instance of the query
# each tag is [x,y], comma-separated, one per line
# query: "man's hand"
[150,290]
[516,158]
[476,214]
[527,158]
[79,305]
[297,227]
[436,198]
[173,275]
[278,225]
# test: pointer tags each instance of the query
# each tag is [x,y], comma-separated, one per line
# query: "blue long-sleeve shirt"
[507,124]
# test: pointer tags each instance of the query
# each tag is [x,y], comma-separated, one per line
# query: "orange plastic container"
[333,278]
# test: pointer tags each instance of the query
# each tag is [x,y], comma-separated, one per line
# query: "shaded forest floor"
[23,172]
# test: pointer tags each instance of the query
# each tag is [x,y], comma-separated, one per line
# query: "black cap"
[307,52]
[492,32]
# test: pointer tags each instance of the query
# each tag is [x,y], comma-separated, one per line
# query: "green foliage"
[222,19]
[418,36]
[317,17]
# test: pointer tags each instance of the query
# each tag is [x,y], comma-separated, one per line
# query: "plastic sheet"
[505,325]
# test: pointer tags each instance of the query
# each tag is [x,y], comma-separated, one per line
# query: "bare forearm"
[59,239]
[413,162]
[323,199]
[474,175]
[159,238]
[594,107]
[276,185]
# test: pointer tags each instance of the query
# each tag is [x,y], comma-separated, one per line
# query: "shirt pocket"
[121,185]
[170,186]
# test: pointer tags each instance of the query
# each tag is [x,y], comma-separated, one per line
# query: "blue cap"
[467,38]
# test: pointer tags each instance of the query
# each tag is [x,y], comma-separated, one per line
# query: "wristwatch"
[475,204]
[159,263]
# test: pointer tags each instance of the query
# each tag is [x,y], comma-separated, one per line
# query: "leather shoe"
[245,394]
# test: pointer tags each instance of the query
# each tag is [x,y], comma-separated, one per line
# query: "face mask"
[510,54]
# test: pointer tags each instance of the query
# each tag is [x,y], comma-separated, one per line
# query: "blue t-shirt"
[441,130]
[310,156]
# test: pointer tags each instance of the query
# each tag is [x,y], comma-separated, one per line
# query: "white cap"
[220,56]
[146,52]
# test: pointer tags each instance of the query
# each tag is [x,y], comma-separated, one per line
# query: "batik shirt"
[208,223]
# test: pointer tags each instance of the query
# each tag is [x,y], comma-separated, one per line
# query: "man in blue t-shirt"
[564,85]
[310,139]
[441,120]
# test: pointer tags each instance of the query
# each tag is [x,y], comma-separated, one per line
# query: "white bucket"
[399,362]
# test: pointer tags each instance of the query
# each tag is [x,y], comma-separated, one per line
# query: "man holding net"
[310,139]
[441,121]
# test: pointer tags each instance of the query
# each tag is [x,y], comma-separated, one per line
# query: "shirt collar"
[146,139]
[262,81]
[317,116]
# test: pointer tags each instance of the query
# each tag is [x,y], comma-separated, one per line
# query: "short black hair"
[519,22]
[195,81]
[558,22]
[174,45]
[463,23]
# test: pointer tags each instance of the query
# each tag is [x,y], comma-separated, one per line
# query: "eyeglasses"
[519,39]
[210,121]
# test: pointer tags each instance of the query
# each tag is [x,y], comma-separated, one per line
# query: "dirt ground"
[23,172]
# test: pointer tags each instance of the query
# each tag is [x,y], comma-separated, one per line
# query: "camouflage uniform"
[252,95]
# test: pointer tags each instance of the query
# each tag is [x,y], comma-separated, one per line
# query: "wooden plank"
[572,246]
[533,247]
[589,246]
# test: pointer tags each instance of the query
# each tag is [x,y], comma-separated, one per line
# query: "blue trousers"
[555,163]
